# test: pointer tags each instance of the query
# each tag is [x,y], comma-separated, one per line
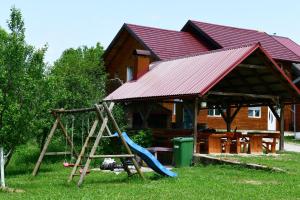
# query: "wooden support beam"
[144,112]
[111,117]
[95,145]
[250,66]
[259,96]
[196,108]
[228,121]
[57,153]
[235,112]
[42,154]
[83,149]
[113,156]
[72,111]
[281,143]
[274,112]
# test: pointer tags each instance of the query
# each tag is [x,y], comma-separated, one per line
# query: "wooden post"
[281,143]
[38,164]
[228,118]
[195,124]
[91,133]
[111,117]
[2,163]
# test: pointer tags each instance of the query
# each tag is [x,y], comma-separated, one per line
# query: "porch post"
[281,143]
[195,123]
[228,118]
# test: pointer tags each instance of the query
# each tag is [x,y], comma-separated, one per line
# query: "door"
[271,121]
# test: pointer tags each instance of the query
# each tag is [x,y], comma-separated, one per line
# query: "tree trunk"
[8,158]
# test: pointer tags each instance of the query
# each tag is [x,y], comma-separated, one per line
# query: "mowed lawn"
[199,182]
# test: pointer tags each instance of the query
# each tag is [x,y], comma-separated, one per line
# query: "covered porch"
[227,80]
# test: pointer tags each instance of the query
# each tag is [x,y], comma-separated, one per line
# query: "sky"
[64,24]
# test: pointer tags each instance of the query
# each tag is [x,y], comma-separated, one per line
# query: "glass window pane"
[250,113]
[257,113]
[211,112]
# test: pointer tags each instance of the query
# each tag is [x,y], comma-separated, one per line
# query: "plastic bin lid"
[183,139]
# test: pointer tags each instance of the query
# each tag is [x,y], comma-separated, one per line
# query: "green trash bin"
[183,151]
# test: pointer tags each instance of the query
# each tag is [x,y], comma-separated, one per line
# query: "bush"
[143,138]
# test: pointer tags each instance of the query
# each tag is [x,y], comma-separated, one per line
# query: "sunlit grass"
[199,182]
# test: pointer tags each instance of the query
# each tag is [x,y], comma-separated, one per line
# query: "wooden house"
[135,48]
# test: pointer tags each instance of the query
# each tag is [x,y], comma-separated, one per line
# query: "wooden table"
[213,141]
[255,142]
[155,150]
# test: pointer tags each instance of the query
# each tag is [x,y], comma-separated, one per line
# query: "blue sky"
[65,24]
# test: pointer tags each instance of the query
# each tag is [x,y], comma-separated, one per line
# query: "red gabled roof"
[193,75]
[228,37]
[167,44]
[290,44]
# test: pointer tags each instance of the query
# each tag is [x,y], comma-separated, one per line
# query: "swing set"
[97,132]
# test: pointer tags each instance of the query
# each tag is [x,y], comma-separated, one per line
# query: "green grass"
[291,139]
[199,182]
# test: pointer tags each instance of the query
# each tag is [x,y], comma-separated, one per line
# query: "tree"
[78,77]
[76,80]
[22,75]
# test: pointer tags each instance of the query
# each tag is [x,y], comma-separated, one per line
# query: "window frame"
[129,69]
[214,112]
[253,116]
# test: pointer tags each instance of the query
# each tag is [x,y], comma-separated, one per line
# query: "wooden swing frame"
[100,110]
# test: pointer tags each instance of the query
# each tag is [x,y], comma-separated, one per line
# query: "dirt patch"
[11,190]
[256,182]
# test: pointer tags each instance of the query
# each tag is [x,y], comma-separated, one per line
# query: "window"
[129,73]
[174,109]
[214,112]
[187,119]
[254,112]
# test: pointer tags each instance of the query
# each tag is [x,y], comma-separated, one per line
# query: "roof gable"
[227,37]
[163,44]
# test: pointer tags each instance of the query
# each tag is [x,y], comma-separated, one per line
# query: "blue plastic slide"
[151,161]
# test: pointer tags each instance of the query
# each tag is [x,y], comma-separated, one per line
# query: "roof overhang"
[240,75]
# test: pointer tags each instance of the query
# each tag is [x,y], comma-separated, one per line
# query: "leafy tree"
[21,77]
[78,77]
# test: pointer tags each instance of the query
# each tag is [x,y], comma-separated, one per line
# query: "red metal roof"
[167,44]
[290,44]
[228,37]
[193,75]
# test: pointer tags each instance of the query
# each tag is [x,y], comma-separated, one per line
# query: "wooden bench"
[270,146]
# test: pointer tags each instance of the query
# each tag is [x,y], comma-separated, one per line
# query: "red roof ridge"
[247,29]
[208,52]
[280,36]
[150,27]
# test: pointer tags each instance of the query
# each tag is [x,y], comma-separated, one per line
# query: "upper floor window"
[129,73]
[254,112]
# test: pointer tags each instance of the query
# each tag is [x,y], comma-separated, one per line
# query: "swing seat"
[66,164]
[81,170]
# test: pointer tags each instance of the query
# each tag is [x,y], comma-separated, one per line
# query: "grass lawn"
[199,182]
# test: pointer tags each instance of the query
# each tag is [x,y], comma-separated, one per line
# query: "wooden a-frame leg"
[111,117]
[42,154]
[94,148]
[100,115]
[91,133]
